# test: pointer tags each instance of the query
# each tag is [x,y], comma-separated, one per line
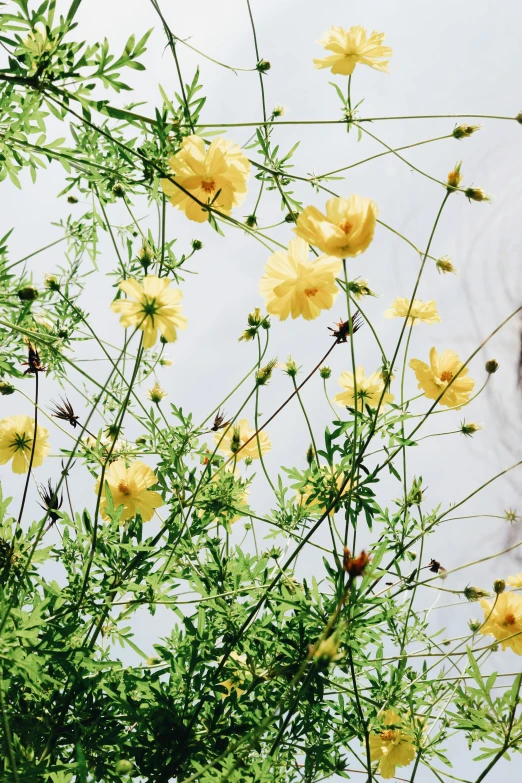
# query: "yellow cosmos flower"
[503,619]
[515,581]
[346,230]
[353,46]
[16,443]
[293,285]
[237,435]
[369,390]
[436,376]
[393,746]
[222,168]
[420,311]
[238,677]
[130,488]
[156,307]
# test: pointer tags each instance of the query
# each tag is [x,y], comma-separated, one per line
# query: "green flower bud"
[72,200]
[28,293]
[491,366]
[519,117]
[463,131]
[265,373]
[474,625]
[263,66]
[499,586]
[51,282]
[475,593]
[251,221]
[476,194]
[325,372]
[197,244]
[118,190]
[6,388]
[310,455]
[291,217]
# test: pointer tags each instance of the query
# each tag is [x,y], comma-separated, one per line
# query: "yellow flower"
[238,678]
[503,619]
[130,488]
[293,285]
[515,581]
[236,436]
[369,390]
[222,168]
[327,484]
[156,307]
[353,46]
[420,311]
[394,747]
[346,230]
[16,443]
[436,376]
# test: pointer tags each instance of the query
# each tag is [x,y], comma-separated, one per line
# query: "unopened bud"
[251,221]
[476,194]
[146,256]
[454,177]
[325,372]
[445,266]
[123,767]
[491,366]
[310,454]
[463,131]
[519,117]
[291,217]
[118,190]
[474,625]
[278,111]
[475,593]
[156,394]
[72,200]
[412,555]
[28,293]
[51,282]
[499,586]
[470,428]
[197,244]
[415,494]
[248,461]
[6,388]
[263,66]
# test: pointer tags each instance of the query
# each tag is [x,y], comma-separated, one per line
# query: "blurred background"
[448,58]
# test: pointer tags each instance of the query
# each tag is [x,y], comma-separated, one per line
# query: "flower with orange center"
[232,443]
[130,488]
[353,46]
[503,620]
[394,746]
[293,285]
[346,230]
[16,443]
[217,176]
[156,307]
[442,370]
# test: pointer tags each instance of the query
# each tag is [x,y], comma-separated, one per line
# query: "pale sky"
[448,58]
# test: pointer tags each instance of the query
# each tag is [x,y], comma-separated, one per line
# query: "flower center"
[311,291]
[21,442]
[345,226]
[388,735]
[208,185]
[509,619]
[124,487]
[446,376]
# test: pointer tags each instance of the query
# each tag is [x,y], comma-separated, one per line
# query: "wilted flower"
[130,488]
[353,46]
[346,328]
[355,566]
[264,374]
[434,378]
[16,443]
[454,177]
[360,287]
[156,307]
[64,410]
[425,312]
[369,391]
[346,230]
[216,176]
[293,285]
[475,593]
[52,501]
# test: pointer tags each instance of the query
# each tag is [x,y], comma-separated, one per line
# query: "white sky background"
[448,58]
